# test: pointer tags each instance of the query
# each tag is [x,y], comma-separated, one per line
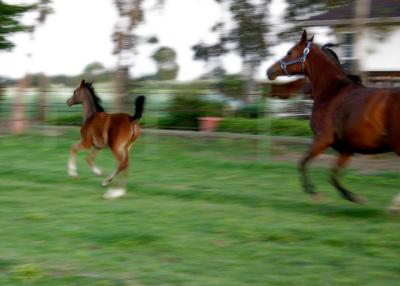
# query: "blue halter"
[300,60]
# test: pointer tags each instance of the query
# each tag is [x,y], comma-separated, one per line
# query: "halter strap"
[300,60]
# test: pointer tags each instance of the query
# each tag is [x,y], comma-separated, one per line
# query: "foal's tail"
[138,108]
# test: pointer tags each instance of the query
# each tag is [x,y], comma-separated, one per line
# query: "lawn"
[196,213]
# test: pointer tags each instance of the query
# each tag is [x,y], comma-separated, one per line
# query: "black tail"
[139,103]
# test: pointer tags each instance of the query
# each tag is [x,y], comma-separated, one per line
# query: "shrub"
[184,111]
[276,127]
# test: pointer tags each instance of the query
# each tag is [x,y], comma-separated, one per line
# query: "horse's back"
[361,120]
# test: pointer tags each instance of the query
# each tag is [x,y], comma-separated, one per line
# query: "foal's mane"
[328,51]
[96,99]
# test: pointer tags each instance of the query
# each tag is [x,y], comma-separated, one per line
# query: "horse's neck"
[89,107]
[324,74]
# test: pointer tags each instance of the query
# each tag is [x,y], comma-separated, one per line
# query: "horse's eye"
[289,53]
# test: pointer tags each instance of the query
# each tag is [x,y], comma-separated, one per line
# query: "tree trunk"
[42,98]
[250,93]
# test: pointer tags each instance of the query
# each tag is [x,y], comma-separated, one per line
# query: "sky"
[79,32]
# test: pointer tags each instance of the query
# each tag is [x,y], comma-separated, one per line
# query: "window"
[347,57]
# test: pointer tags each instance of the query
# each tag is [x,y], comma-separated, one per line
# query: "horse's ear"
[82,83]
[311,38]
[304,37]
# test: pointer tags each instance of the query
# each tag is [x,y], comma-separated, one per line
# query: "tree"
[10,24]
[246,35]
[165,58]
[125,41]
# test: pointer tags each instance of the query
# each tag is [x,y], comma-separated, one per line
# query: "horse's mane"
[96,99]
[328,51]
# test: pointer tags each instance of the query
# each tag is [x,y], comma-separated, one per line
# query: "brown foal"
[346,115]
[100,130]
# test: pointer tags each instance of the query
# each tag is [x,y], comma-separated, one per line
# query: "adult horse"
[99,130]
[346,115]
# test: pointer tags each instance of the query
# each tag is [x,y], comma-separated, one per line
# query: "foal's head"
[294,61]
[79,94]
[84,92]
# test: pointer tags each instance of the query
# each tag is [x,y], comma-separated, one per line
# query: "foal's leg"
[122,157]
[341,162]
[90,160]
[317,147]
[72,170]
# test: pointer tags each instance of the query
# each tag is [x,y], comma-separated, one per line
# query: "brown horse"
[100,130]
[346,115]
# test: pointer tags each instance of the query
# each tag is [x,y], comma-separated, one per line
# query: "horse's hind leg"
[317,147]
[341,162]
[121,155]
[90,160]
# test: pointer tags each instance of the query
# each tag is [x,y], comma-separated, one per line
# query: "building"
[371,43]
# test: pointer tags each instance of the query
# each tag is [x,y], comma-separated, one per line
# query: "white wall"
[380,54]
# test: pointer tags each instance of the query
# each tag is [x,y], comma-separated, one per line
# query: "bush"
[255,110]
[184,112]
[276,127]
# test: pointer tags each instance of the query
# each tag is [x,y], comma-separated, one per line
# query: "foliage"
[167,67]
[231,85]
[252,110]
[10,23]
[275,127]
[184,112]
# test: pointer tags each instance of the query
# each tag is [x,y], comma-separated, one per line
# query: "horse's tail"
[138,108]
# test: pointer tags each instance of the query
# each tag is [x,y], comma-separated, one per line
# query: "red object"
[209,124]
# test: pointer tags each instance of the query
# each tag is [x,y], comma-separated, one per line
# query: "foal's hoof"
[105,183]
[73,173]
[317,198]
[114,193]
[97,171]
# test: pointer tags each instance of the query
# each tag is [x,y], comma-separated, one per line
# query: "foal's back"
[106,130]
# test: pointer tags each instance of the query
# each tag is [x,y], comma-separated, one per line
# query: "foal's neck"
[89,108]
[324,74]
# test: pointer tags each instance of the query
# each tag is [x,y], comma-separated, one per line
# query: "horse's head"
[294,61]
[78,95]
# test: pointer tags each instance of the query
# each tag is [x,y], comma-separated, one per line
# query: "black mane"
[327,50]
[96,99]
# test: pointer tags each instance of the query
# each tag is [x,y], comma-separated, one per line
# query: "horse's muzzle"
[271,73]
[69,102]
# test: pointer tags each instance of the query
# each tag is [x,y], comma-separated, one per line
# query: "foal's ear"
[311,38]
[82,83]
[303,37]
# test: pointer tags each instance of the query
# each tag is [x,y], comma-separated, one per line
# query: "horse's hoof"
[105,183]
[317,198]
[114,193]
[97,171]
[360,200]
[73,173]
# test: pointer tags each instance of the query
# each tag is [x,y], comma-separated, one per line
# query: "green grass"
[197,213]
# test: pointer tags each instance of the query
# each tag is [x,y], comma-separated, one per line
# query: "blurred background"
[213,191]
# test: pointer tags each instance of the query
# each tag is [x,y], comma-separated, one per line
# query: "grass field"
[195,214]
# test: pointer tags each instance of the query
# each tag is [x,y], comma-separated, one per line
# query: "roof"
[381,12]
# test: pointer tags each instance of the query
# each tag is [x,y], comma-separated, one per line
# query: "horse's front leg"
[319,145]
[72,170]
[341,162]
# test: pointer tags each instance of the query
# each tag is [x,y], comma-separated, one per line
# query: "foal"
[100,130]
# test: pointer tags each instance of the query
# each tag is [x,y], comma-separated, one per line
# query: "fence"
[172,112]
